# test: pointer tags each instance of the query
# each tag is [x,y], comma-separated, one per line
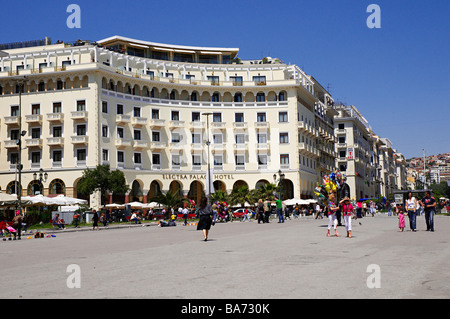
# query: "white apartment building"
[148,109]
[373,168]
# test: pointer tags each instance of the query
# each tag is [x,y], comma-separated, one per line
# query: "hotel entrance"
[196,192]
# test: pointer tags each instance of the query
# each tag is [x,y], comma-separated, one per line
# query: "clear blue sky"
[397,76]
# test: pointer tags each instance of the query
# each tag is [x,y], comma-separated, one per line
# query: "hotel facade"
[148,109]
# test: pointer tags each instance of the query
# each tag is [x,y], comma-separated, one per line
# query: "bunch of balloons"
[224,204]
[331,184]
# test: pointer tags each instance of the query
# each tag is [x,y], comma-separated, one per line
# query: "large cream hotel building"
[142,108]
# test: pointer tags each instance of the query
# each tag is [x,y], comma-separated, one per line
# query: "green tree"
[239,195]
[220,196]
[440,190]
[102,179]
[267,190]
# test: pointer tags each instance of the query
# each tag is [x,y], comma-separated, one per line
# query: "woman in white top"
[411,205]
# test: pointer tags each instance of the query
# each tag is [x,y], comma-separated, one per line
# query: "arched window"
[215,97]
[238,97]
[57,186]
[13,188]
[41,86]
[260,97]
[35,188]
[155,188]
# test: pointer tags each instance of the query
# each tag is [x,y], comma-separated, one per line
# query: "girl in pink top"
[347,209]
[401,218]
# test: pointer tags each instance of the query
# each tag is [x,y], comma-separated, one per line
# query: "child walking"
[332,221]
[401,218]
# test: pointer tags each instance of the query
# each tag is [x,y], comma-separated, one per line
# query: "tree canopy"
[102,179]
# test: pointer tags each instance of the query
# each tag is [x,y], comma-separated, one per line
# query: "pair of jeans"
[412,219]
[280,215]
[429,219]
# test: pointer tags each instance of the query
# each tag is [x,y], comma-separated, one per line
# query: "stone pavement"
[241,260]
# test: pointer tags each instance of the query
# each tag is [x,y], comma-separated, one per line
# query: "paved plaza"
[241,260]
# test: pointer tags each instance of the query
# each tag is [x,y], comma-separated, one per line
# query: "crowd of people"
[334,210]
[349,210]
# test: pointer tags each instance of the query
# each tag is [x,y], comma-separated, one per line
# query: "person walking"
[429,203]
[401,218]
[17,224]
[372,208]
[411,204]
[246,215]
[76,219]
[389,208]
[215,208]
[103,219]
[95,220]
[279,206]
[205,220]
[347,210]
[267,210]
[332,209]
[318,211]
[260,211]
[185,213]
[359,210]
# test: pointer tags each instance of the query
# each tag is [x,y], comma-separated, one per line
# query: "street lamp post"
[42,176]
[208,142]
[20,84]
[280,180]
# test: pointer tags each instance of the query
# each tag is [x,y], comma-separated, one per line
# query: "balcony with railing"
[122,119]
[141,144]
[55,117]
[122,142]
[11,120]
[138,121]
[240,125]
[176,124]
[154,123]
[262,147]
[33,142]
[55,141]
[33,118]
[11,144]
[79,115]
[262,125]
[156,145]
[308,150]
[80,139]
[197,125]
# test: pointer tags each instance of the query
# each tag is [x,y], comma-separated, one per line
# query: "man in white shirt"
[318,212]
[185,213]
